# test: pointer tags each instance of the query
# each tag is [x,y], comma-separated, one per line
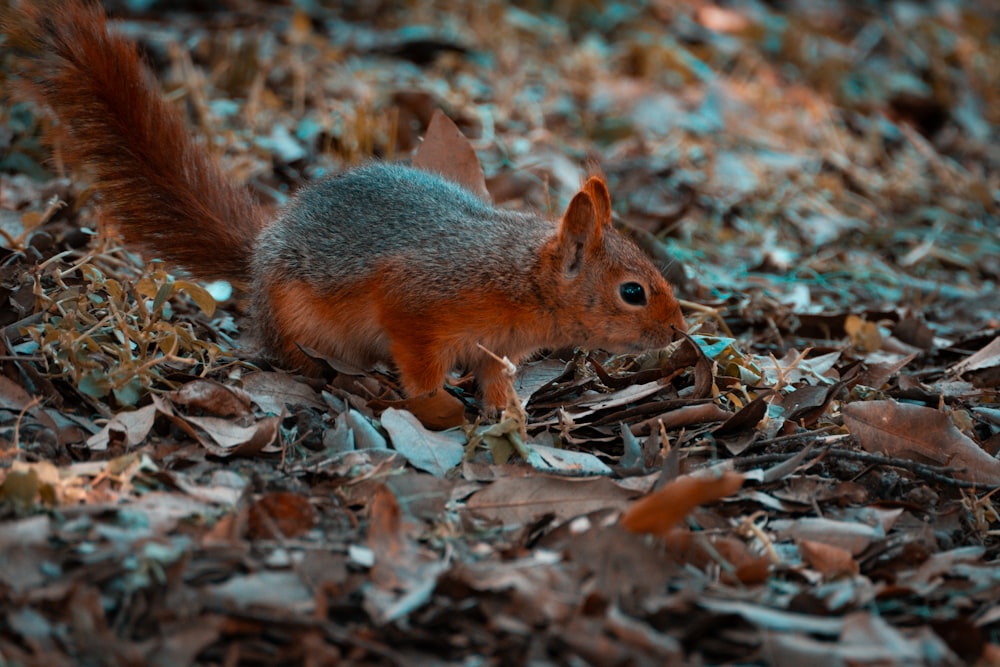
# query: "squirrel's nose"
[676,321]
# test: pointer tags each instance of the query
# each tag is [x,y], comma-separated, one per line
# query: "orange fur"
[598,191]
[424,345]
[430,341]
[338,324]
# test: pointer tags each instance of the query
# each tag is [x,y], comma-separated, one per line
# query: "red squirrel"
[379,263]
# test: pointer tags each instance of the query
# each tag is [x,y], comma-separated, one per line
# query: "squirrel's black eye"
[633,294]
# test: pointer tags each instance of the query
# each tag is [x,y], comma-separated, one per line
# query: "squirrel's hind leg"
[340,324]
[422,369]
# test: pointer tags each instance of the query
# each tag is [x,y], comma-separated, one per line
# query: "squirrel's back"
[381,217]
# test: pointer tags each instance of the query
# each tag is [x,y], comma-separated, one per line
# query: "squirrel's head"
[609,294]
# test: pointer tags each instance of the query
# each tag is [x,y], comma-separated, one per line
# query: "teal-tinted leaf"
[130,392]
[94,384]
[713,346]
[18,162]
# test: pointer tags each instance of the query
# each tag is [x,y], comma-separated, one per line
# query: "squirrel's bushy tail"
[167,194]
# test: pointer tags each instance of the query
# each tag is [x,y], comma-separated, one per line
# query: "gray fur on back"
[415,225]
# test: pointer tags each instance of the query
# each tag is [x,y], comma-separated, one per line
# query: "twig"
[708,310]
[13,328]
[929,472]
[17,424]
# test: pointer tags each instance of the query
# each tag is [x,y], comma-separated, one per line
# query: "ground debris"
[809,475]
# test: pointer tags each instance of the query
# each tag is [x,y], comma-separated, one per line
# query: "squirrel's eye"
[633,294]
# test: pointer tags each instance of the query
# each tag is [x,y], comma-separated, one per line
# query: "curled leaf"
[659,512]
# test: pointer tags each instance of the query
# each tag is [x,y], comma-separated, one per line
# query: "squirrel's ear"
[598,190]
[579,229]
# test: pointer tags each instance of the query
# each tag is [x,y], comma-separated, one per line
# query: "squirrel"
[381,263]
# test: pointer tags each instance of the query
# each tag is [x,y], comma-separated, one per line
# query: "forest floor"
[807,478]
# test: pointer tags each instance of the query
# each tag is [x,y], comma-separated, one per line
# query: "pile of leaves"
[807,476]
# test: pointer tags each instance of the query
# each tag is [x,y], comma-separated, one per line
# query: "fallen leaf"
[852,536]
[922,434]
[403,574]
[738,562]
[987,357]
[32,531]
[829,560]
[276,392]
[447,152]
[12,395]
[865,639]
[280,514]
[435,452]
[522,500]
[211,397]
[881,366]
[566,461]
[659,512]
[686,416]
[132,426]
[386,536]
[778,620]
[745,419]
[279,591]
[184,644]
[534,376]
[226,438]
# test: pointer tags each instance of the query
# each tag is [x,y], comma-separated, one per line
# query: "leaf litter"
[809,476]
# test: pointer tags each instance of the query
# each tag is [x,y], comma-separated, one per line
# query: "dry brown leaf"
[829,560]
[922,434]
[626,395]
[686,416]
[276,392]
[785,468]
[745,419]
[661,511]
[739,563]
[533,376]
[226,438]
[447,152]
[280,514]
[943,563]
[881,366]
[807,400]
[403,574]
[522,500]
[988,357]
[12,395]
[212,397]
[183,647]
[386,537]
